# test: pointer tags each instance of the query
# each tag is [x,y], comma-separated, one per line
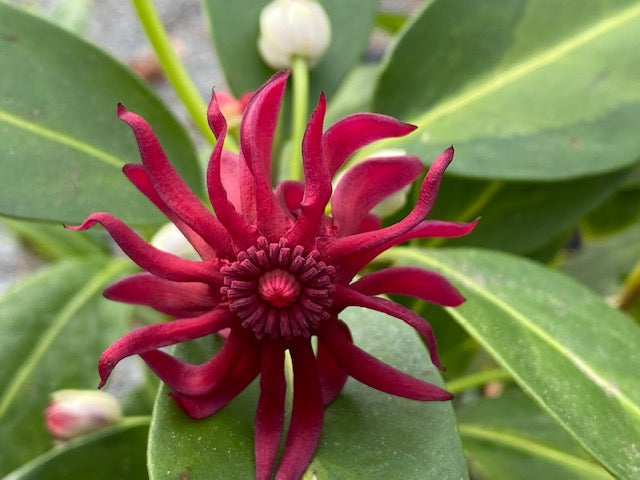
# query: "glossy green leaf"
[517,216]
[235,33]
[114,453]
[62,144]
[53,328]
[366,434]
[571,352]
[354,94]
[509,438]
[390,22]
[524,89]
[617,213]
[603,264]
[54,242]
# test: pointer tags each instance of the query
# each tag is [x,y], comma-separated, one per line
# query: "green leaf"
[235,34]
[572,353]
[618,212]
[519,217]
[603,264]
[118,452]
[53,328]
[366,434]
[62,144]
[509,438]
[56,242]
[354,94]
[390,22]
[524,89]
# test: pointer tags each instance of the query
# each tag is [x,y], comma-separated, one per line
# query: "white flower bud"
[291,28]
[169,239]
[72,413]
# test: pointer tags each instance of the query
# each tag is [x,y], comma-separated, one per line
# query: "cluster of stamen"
[278,291]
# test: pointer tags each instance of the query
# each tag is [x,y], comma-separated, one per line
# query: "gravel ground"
[112,24]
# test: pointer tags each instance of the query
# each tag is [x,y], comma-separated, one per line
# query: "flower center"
[277,290]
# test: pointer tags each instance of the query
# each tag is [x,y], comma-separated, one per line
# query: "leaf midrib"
[61,139]
[527,66]
[534,448]
[70,308]
[575,359]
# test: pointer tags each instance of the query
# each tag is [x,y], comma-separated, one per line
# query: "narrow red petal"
[415,282]
[270,413]
[332,376]
[183,299]
[137,175]
[231,180]
[202,406]
[189,379]
[242,234]
[317,182]
[172,189]
[354,198]
[354,132]
[160,335]
[336,248]
[349,266]
[374,373]
[256,141]
[345,297]
[290,193]
[162,264]
[306,415]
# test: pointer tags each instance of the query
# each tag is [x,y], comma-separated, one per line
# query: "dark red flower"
[276,270]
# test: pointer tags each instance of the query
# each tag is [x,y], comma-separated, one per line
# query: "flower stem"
[477,379]
[300,74]
[173,68]
[630,291]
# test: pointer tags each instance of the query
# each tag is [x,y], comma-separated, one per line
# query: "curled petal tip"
[121,109]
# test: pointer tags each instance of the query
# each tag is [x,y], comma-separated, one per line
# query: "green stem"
[173,68]
[630,291]
[300,75]
[477,380]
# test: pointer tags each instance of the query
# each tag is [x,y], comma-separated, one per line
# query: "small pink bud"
[72,413]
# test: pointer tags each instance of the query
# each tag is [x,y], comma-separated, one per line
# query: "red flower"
[276,270]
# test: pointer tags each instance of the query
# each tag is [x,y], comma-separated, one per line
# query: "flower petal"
[345,297]
[354,198]
[317,182]
[160,335]
[180,299]
[137,175]
[202,406]
[371,371]
[349,266]
[415,282]
[172,189]
[270,413]
[231,180]
[306,415]
[354,132]
[290,193]
[332,376]
[242,234]
[189,379]
[256,141]
[162,264]
[338,248]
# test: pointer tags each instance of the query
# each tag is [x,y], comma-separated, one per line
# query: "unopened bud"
[170,239]
[72,413]
[291,28]
[232,108]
